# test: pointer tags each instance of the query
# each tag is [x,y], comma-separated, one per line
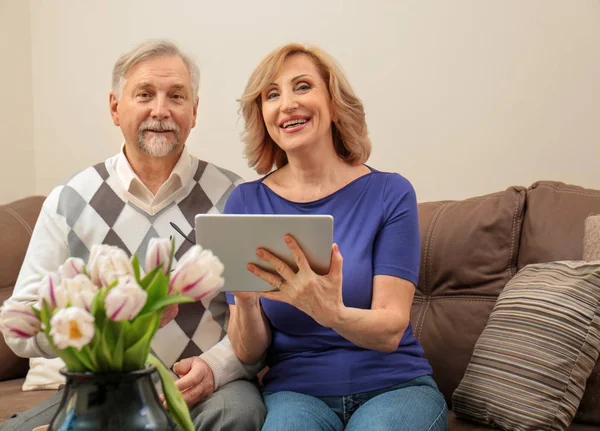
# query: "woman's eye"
[303,87]
[272,95]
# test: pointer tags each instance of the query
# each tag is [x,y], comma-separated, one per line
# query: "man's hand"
[196,380]
[168,315]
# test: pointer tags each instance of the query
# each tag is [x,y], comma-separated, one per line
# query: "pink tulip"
[197,275]
[72,267]
[107,263]
[125,300]
[80,290]
[158,254]
[52,292]
[18,320]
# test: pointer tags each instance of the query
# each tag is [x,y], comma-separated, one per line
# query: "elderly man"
[130,198]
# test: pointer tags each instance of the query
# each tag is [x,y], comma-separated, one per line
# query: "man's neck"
[152,171]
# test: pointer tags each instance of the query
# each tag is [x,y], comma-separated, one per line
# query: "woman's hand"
[318,296]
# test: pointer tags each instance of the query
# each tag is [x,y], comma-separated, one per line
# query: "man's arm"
[226,367]
[47,250]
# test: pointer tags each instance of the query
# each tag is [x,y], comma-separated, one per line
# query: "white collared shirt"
[141,195]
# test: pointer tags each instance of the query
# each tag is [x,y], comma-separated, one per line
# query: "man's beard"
[158,145]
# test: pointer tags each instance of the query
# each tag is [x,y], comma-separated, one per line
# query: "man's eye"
[177,96]
[144,95]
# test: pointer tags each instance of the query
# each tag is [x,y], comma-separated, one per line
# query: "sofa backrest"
[469,251]
[16,224]
[554,222]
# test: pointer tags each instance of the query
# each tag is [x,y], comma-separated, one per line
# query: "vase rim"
[107,375]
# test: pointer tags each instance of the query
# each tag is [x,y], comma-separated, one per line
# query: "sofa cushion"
[468,254]
[16,224]
[588,411]
[554,222]
[531,363]
[457,424]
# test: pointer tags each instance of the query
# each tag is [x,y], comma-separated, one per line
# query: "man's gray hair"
[147,50]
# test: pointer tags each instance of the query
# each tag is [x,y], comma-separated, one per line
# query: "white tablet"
[234,239]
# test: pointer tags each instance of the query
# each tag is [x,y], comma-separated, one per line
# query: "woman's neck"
[311,177]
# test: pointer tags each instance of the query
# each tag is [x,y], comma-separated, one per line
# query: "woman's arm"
[249,330]
[379,328]
[382,327]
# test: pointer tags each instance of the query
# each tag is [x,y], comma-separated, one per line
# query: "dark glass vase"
[110,401]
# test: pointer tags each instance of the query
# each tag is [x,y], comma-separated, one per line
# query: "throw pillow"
[588,411]
[591,239]
[44,374]
[530,364]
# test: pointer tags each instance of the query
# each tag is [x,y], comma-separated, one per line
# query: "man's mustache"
[158,126]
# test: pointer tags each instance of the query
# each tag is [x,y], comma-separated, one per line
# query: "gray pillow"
[530,364]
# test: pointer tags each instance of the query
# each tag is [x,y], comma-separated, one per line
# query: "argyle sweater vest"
[97,210]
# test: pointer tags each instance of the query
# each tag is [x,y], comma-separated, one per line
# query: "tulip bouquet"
[102,316]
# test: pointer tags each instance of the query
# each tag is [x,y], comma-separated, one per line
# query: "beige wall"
[17,176]
[462,97]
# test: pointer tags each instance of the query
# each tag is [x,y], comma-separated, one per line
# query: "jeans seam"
[439,416]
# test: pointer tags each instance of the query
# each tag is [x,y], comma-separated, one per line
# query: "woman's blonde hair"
[349,127]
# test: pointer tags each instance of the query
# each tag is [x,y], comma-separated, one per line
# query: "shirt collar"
[126,174]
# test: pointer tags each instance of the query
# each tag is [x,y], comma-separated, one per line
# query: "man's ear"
[195,113]
[114,104]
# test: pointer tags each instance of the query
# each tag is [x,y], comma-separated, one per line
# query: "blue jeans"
[416,405]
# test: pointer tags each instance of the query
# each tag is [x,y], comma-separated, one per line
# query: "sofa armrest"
[17,220]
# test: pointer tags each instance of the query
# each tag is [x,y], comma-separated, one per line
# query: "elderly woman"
[340,347]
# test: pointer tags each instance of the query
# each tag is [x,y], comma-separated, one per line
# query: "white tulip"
[197,274]
[52,292]
[80,290]
[125,300]
[72,267]
[158,254]
[71,327]
[17,320]
[107,263]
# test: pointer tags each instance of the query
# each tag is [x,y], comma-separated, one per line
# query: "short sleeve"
[234,205]
[235,202]
[397,248]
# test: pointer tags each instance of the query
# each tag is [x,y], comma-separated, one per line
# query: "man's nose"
[159,108]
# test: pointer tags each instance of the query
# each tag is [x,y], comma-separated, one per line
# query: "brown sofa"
[470,249]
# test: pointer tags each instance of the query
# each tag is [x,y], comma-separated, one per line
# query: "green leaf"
[157,289]
[178,409]
[117,354]
[164,302]
[137,329]
[81,357]
[172,255]
[45,316]
[135,262]
[103,364]
[148,278]
[108,343]
[135,355]
[70,360]
[86,358]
